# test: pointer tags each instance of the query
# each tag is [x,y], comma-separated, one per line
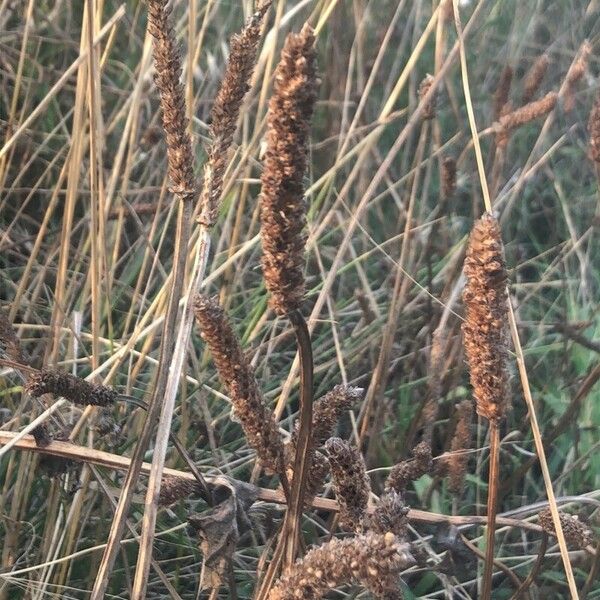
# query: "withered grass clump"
[577,533]
[237,376]
[74,389]
[350,481]
[226,110]
[486,318]
[283,208]
[371,560]
[457,461]
[167,63]
[410,470]
[594,130]
[534,77]
[502,91]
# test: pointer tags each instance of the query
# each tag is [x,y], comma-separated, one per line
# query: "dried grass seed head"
[485,326]
[173,489]
[372,560]
[534,77]
[350,481]
[502,91]
[430,106]
[388,515]
[410,470]
[574,74]
[594,130]
[226,111]
[448,177]
[457,461]
[521,116]
[328,409]
[237,375]
[577,533]
[167,76]
[283,206]
[76,390]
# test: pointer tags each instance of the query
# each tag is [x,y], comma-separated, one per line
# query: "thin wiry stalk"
[181,174]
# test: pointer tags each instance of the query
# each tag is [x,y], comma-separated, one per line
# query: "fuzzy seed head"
[350,481]
[283,205]
[534,77]
[457,461]
[594,131]
[410,470]
[226,111]
[486,318]
[74,389]
[502,90]
[371,560]
[237,375]
[577,533]
[167,65]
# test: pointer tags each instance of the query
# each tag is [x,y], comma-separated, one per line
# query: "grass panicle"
[577,533]
[238,377]
[350,482]
[534,77]
[410,470]
[226,111]
[167,77]
[485,328]
[76,390]
[457,461]
[372,560]
[282,203]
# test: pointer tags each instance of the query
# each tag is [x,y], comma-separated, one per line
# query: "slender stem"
[303,457]
[535,570]
[492,503]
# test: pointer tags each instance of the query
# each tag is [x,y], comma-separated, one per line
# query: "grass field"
[106,169]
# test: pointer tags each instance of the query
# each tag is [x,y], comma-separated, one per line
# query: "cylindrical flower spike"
[486,318]
[283,206]
[237,376]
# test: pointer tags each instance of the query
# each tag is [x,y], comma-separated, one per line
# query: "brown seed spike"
[226,111]
[237,376]
[448,177]
[574,74]
[410,470]
[529,112]
[74,389]
[350,481]
[594,130]
[577,533]
[283,205]
[534,77]
[486,318]
[457,461]
[173,489]
[373,560]
[430,106]
[167,65]
[502,91]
